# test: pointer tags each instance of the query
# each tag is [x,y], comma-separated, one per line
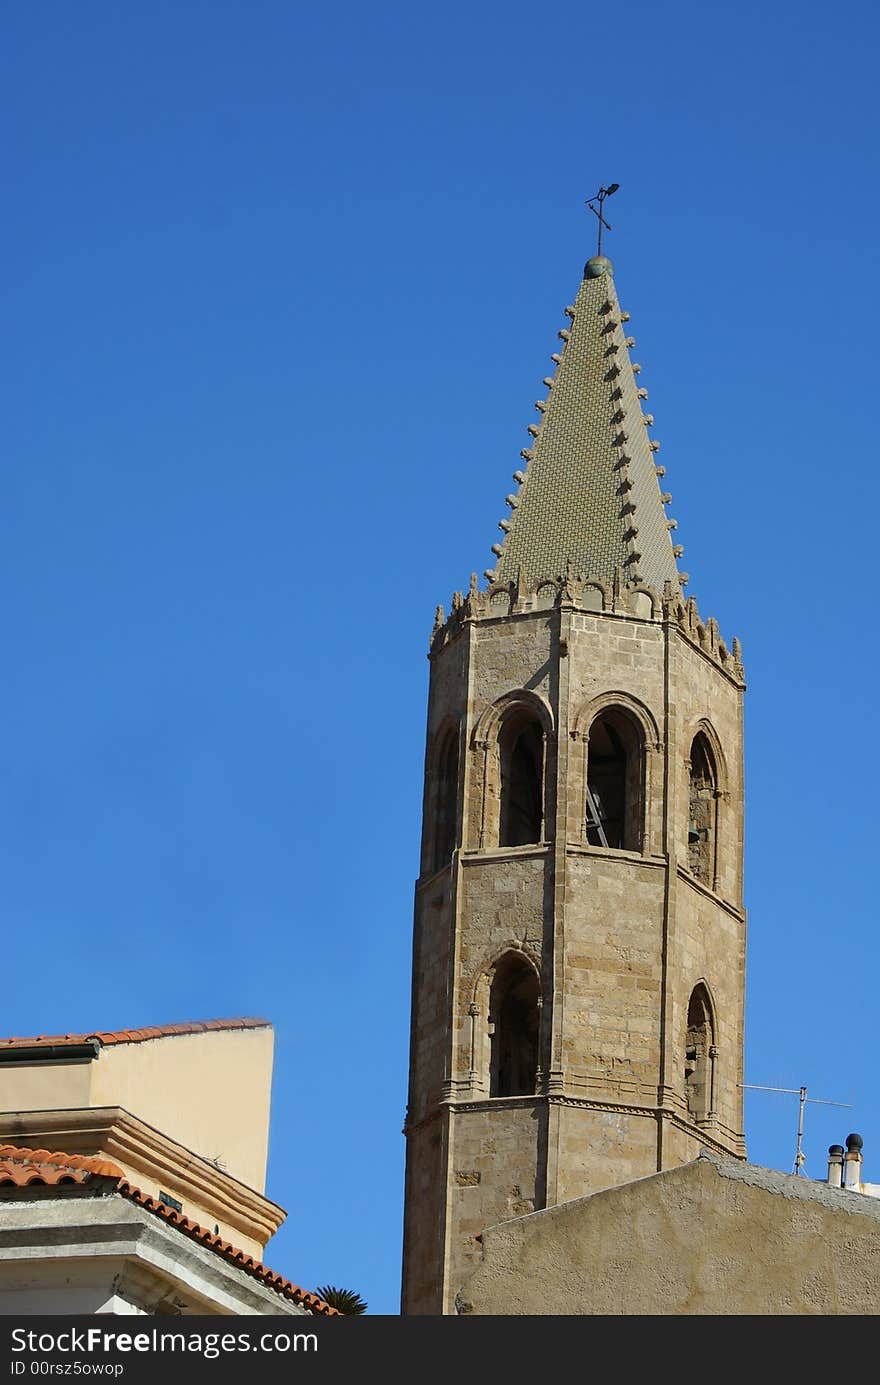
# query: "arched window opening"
[702,811]
[522,784]
[513,1027]
[614,769]
[699,1057]
[446,801]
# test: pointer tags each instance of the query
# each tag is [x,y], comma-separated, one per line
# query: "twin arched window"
[615,789]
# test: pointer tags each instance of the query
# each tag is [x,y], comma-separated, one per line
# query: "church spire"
[589,495]
[579,936]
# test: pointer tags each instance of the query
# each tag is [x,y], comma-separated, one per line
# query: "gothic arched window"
[513,1026]
[702,811]
[446,799]
[522,782]
[614,781]
[699,1057]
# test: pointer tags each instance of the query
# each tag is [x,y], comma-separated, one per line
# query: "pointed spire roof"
[590,494]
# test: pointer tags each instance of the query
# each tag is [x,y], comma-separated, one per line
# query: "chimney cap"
[854,1143]
[835,1149]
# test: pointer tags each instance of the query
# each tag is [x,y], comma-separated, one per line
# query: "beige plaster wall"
[46,1086]
[713,1237]
[209,1091]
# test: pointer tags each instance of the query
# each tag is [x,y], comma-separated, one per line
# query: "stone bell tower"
[579,939]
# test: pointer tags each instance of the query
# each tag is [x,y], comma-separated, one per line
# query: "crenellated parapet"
[591,593]
[703,634]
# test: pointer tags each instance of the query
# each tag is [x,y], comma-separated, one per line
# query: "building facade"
[132,1173]
[579,935]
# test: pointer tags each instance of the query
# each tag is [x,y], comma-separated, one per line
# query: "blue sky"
[282,281]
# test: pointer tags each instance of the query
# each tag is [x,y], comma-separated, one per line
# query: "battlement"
[589,592]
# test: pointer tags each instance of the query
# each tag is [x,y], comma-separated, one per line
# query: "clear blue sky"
[282,281]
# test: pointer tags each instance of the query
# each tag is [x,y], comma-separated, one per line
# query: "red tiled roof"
[136,1036]
[25,1167]
[229,1252]
[22,1167]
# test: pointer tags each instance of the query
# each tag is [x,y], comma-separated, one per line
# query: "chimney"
[835,1166]
[852,1164]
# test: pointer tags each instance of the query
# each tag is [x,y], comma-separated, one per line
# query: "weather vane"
[597,210]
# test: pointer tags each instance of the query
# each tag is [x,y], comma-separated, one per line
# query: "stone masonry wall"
[619,938]
[495,1156]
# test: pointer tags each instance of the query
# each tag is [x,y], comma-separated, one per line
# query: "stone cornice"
[654,1111]
[143,1150]
[424,882]
[170,1270]
[479,856]
[494,1103]
[735,674]
[607,853]
[685,875]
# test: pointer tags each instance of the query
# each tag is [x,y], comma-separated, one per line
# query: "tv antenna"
[596,204]
[801,1092]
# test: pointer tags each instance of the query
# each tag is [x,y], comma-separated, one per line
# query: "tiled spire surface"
[590,492]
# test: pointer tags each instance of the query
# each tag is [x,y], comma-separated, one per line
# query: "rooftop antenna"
[597,210]
[801,1092]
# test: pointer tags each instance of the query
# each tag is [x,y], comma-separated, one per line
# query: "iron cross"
[597,210]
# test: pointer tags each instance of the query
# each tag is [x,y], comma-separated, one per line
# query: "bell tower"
[579,939]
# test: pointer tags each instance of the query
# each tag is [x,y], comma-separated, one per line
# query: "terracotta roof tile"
[24,1167]
[136,1036]
[229,1252]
